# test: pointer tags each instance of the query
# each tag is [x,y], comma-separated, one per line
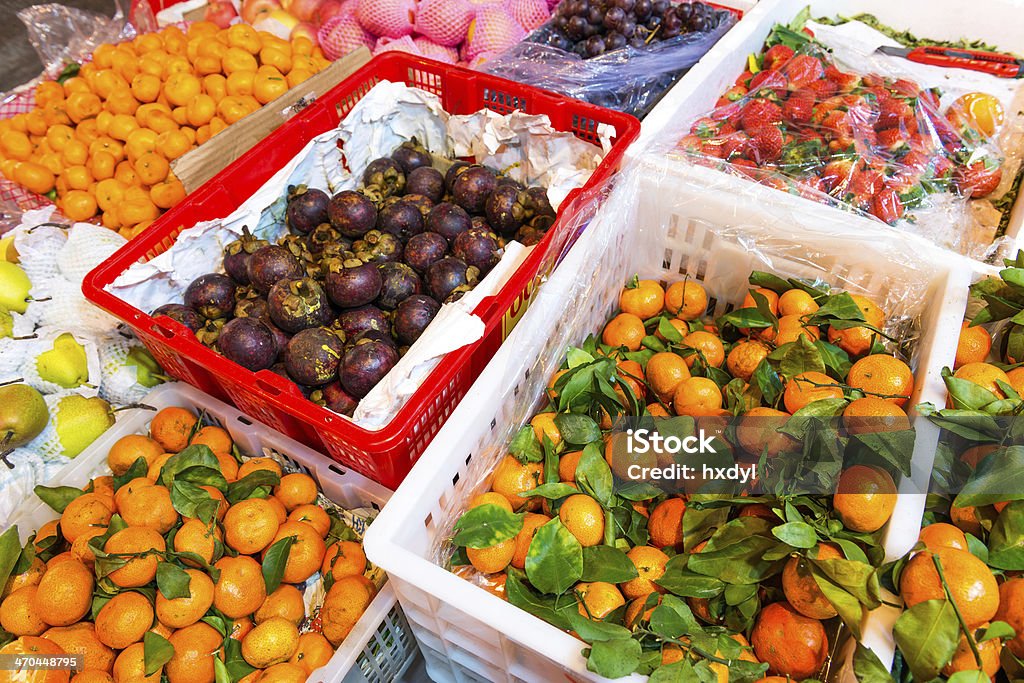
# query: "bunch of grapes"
[592,27]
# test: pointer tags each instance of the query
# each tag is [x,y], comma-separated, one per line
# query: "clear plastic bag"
[629,79]
[868,139]
[62,35]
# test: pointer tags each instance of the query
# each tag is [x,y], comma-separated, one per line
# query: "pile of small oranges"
[101,143]
[145,592]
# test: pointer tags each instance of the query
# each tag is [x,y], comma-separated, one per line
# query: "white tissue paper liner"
[524,146]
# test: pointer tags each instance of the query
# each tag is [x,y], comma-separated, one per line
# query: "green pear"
[79,421]
[65,364]
[14,287]
[6,323]
[148,372]
[23,415]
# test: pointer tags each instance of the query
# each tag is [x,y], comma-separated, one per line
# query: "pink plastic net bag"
[431,50]
[493,30]
[445,22]
[387,18]
[342,34]
[529,14]
[403,44]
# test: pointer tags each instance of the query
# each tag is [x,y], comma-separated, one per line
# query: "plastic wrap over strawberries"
[880,145]
[630,78]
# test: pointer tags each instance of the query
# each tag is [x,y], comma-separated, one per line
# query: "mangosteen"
[449,274]
[399,282]
[448,220]
[251,308]
[412,155]
[528,235]
[412,317]
[425,249]
[424,204]
[376,335]
[479,248]
[297,246]
[504,212]
[181,314]
[352,214]
[385,176]
[270,264]
[472,187]
[298,303]
[210,331]
[322,236]
[334,397]
[313,356]
[237,254]
[248,342]
[479,223]
[536,202]
[307,208]
[211,295]
[364,365]
[453,172]
[378,247]
[509,181]
[281,338]
[356,320]
[426,181]
[355,284]
[401,218]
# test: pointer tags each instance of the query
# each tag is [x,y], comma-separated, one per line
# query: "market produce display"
[878,144]
[361,274]
[99,142]
[670,580]
[65,367]
[960,584]
[187,561]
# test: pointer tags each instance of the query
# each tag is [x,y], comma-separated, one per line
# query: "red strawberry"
[799,107]
[811,187]
[941,166]
[744,78]
[887,205]
[689,143]
[728,111]
[745,167]
[978,179]
[705,127]
[844,82]
[728,128]
[823,89]
[905,87]
[776,56]
[766,144]
[803,70]
[769,80]
[836,175]
[837,124]
[736,145]
[881,94]
[866,182]
[892,112]
[759,113]
[871,80]
[736,92]
[774,181]
[712,148]
[891,139]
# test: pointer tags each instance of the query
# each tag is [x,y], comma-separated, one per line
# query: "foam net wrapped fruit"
[879,144]
[763,575]
[99,140]
[188,561]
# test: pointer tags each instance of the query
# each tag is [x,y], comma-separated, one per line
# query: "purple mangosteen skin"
[352,214]
[400,282]
[308,210]
[402,219]
[448,220]
[298,303]
[411,156]
[270,264]
[425,249]
[182,314]
[356,286]
[445,276]
[426,181]
[472,187]
[313,356]
[364,365]
[357,320]
[211,295]
[412,317]
[337,399]
[248,342]
[479,248]
[504,213]
[453,172]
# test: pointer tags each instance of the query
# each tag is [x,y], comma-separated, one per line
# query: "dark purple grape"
[595,46]
[699,24]
[684,10]
[637,42]
[595,16]
[642,9]
[614,18]
[659,7]
[615,41]
[628,29]
[576,29]
[560,22]
[625,5]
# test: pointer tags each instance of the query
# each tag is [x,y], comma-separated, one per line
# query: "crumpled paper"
[524,145]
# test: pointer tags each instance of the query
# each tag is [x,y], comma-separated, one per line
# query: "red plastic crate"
[385,454]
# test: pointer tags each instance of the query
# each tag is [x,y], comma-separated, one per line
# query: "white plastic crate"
[997,22]
[380,647]
[671,228]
